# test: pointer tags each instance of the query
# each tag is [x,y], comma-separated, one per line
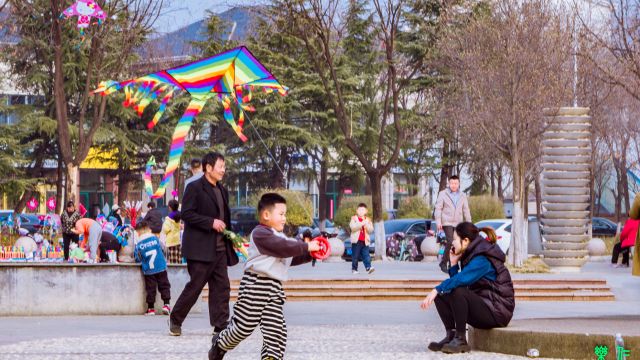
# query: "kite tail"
[228,116]
[107,87]
[161,110]
[177,145]
[148,186]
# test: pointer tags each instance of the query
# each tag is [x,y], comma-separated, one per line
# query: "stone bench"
[35,289]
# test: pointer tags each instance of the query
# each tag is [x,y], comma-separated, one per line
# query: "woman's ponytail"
[491,234]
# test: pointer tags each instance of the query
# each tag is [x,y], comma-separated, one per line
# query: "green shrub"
[299,208]
[414,207]
[348,207]
[485,207]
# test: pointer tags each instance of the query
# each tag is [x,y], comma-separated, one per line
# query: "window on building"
[17,100]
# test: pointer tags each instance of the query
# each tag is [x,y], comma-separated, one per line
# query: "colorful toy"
[84,10]
[230,77]
[325,248]
[131,210]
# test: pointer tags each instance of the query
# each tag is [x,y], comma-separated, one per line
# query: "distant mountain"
[179,42]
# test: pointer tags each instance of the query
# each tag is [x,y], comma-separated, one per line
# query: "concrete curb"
[550,344]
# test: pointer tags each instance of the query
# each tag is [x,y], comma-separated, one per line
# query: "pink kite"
[85,10]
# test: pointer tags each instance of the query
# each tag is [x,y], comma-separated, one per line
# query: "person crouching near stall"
[479,291]
[261,297]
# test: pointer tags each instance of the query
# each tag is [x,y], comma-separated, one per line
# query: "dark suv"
[243,220]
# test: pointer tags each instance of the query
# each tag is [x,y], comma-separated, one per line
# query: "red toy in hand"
[325,248]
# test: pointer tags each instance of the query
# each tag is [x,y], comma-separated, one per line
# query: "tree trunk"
[625,183]
[492,179]
[619,191]
[499,178]
[518,249]
[322,189]
[59,182]
[123,187]
[23,201]
[538,190]
[72,188]
[378,220]
[446,168]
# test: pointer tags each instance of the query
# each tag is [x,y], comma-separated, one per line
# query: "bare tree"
[320,26]
[511,63]
[88,112]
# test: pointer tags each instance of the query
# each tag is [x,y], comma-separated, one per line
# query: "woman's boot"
[457,345]
[437,346]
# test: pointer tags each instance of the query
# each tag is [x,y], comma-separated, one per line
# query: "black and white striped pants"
[260,302]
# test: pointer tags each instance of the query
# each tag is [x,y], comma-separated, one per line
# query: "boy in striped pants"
[261,297]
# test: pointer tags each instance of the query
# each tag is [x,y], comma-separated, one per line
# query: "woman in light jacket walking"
[361,227]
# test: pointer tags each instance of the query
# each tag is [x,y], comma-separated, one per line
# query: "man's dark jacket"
[199,209]
[154,219]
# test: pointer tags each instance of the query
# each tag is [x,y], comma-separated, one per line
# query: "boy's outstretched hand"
[314,246]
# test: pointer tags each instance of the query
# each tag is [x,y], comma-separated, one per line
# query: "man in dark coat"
[206,214]
[154,218]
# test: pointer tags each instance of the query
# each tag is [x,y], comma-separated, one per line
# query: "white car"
[502,228]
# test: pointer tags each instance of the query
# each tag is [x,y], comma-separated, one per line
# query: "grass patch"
[533,265]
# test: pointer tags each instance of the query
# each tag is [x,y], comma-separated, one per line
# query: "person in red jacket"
[627,239]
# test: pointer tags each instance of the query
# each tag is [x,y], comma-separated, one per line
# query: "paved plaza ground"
[317,330]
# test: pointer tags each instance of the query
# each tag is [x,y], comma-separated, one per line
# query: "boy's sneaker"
[150,312]
[166,310]
[216,353]
[174,330]
[371,270]
[354,272]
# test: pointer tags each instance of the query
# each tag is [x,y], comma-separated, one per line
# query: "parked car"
[502,227]
[603,227]
[329,227]
[29,222]
[243,220]
[410,227]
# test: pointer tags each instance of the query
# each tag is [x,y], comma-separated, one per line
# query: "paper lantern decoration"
[51,204]
[32,204]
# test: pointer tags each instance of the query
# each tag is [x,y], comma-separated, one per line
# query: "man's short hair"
[211,159]
[454,177]
[362,205]
[196,164]
[151,205]
[141,225]
[269,200]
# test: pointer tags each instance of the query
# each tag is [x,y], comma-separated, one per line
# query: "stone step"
[418,296]
[371,290]
[566,135]
[423,289]
[566,151]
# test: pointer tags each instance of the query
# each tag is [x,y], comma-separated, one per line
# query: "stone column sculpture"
[566,170]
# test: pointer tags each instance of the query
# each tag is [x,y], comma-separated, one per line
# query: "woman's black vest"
[498,294]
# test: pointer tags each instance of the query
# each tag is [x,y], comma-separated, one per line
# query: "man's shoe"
[437,346]
[174,329]
[371,270]
[216,353]
[457,345]
[354,272]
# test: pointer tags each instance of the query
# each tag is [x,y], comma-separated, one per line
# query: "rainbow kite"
[229,77]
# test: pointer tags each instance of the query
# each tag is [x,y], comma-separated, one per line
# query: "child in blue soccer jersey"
[154,267]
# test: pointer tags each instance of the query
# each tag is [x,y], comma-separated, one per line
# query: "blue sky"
[180,13]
